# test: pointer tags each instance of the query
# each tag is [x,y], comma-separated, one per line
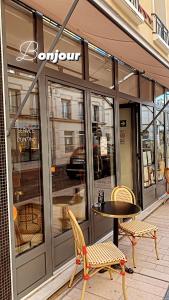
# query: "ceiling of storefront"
[92,25]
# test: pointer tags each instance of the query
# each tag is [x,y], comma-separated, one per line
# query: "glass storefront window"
[26,163]
[127,79]
[19,27]
[146,89]
[68,156]
[160,147]
[159,102]
[148,146]
[103,145]
[100,67]
[68,43]
[159,96]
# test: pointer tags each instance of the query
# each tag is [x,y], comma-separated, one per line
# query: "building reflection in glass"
[68,155]
[103,145]
[26,162]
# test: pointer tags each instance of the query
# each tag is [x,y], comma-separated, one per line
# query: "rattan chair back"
[123,193]
[77,233]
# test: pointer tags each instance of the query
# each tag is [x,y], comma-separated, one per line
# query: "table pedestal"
[116,232]
[116,242]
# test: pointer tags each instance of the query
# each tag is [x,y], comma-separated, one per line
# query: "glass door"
[148,156]
[68,166]
[103,156]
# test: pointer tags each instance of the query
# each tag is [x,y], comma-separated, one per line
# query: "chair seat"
[137,227]
[104,253]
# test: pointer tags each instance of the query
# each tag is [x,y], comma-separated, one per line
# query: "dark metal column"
[5,269]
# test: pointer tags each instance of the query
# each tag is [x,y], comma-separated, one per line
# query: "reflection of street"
[62,181]
[67,192]
[27,182]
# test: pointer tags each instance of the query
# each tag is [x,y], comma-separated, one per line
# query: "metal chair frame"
[123,193]
[82,253]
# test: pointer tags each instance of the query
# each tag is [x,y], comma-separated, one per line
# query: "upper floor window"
[69,145]
[81,110]
[96,113]
[34,110]
[66,109]
[14,100]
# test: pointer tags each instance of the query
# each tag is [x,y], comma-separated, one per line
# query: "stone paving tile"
[151,278]
[136,294]
[104,287]
[155,274]
[75,294]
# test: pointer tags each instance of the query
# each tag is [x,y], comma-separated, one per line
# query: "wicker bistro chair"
[134,229]
[95,257]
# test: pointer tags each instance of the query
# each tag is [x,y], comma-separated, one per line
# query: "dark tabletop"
[117,209]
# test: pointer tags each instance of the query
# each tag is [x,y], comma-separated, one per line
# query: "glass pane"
[160,147]
[146,89]
[127,79]
[26,163]
[19,27]
[68,43]
[159,102]
[148,147]
[68,168]
[100,67]
[159,96]
[103,145]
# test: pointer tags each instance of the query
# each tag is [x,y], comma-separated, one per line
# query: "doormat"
[167,295]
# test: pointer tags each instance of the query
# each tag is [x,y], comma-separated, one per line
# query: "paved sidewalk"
[150,280]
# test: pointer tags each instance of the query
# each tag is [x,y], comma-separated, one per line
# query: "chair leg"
[72,277]
[133,242]
[110,273]
[83,289]
[123,282]
[155,241]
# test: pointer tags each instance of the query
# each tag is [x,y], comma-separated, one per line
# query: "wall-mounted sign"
[122,136]
[103,145]
[123,123]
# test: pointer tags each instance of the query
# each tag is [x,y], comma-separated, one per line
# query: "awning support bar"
[53,45]
[148,126]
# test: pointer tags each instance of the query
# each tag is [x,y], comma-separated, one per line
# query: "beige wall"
[126,148]
[148,5]
[167,13]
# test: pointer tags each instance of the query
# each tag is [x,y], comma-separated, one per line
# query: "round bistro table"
[117,210]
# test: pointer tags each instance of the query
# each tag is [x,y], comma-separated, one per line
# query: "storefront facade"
[81,123]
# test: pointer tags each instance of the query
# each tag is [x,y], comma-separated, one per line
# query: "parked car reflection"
[77,165]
